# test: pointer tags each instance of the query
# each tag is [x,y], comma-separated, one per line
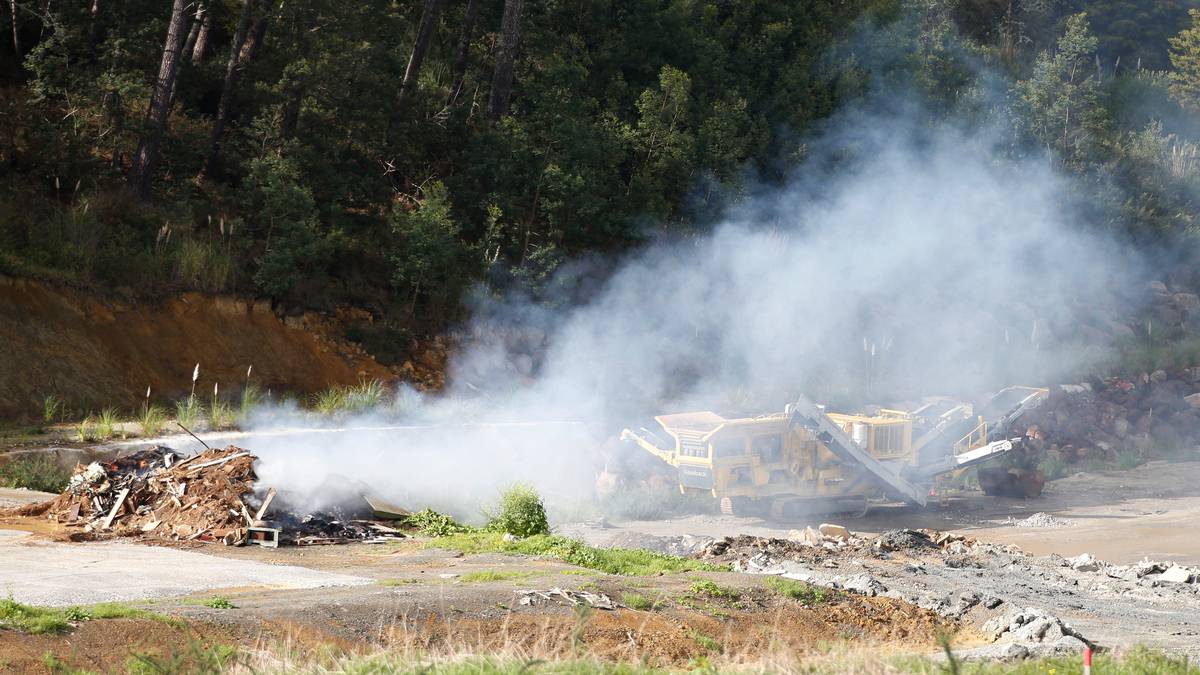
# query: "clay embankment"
[96,352]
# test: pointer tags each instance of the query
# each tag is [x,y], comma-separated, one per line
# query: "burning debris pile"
[207,497]
[1100,420]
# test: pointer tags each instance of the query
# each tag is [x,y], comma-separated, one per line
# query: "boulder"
[1177,575]
[864,584]
[1084,562]
[834,531]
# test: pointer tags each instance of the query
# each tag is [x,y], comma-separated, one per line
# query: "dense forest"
[393,153]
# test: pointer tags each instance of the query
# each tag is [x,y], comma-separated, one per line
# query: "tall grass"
[203,267]
[53,408]
[220,414]
[188,411]
[252,397]
[366,395]
[152,418]
[107,424]
[85,431]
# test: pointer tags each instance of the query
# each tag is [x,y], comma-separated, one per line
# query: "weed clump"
[797,590]
[623,561]
[35,473]
[433,524]
[520,513]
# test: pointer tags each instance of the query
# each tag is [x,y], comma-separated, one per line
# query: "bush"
[35,473]
[152,419]
[519,513]
[433,524]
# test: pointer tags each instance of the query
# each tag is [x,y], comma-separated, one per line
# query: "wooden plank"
[262,510]
[217,461]
[116,507]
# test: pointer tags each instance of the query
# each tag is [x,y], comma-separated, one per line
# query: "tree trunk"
[506,56]
[420,45]
[189,45]
[201,43]
[16,29]
[232,72]
[458,70]
[254,40]
[160,102]
[291,110]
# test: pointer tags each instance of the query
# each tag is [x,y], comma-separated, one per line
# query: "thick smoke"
[904,259]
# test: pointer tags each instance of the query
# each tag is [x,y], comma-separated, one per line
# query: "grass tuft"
[39,620]
[53,409]
[631,562]
[219,602]
[707,587]
[797,590]
[637,601]
[152,419]
[487,576]
[106,424]
[188,411]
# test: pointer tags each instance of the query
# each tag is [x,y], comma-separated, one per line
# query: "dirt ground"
[415,597]
[1119,516]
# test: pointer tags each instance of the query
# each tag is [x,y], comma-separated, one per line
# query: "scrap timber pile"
[208,497]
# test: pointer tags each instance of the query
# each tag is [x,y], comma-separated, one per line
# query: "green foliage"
[709,588]
[203,267]
[633,562]
[520,512]
[431,260]
[1185,60]
[433,524]
[1061,100]
[37,620]
[35,472]
[218,602]
[797,590]
[85,431]
[705,641]
[251,398]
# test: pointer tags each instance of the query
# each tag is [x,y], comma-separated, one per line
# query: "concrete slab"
[58,574]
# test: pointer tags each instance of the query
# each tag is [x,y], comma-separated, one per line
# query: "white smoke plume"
[904,259]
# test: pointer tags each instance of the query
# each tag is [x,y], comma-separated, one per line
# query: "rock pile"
[1099,420]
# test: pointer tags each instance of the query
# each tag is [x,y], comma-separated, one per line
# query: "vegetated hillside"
[91,353]
[392,154]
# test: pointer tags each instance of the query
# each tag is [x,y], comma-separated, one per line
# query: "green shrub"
[1053,468]
[35,472]
[202,267]
[520,513]
[709,588]
[219,602]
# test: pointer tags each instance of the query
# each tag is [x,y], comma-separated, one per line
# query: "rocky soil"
[1027,604]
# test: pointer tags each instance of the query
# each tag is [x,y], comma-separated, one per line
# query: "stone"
[1084,562]
[1069,644]
[834,531]
[864,584]
[1193,400]
[1177,575]
[1159,375]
